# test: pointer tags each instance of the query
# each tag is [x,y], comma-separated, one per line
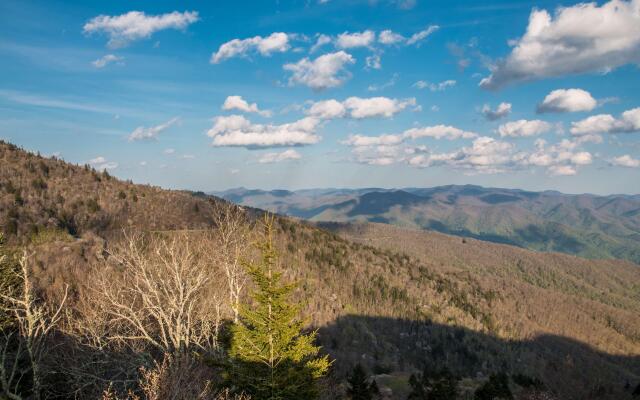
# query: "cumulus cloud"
[376,106]
[150,133]
[435,87]
[562,158]
[485,155]
[107,59]
[359,108]
[567,100]
[237,131]
[348,40]
[135,25]
[389,37]
[100,163]
[524,128]
[439,132]
[324,72]
[373,61]
[628,122]
[286,155]
[418,37]
[577,39]
[382,140]
[327,109]
[501,111]
[238,103]
[626,161]
[320,41]
[277,42]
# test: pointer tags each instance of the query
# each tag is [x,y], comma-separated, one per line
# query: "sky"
[329,93]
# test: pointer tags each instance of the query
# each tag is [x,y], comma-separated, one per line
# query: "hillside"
[586,225]
[392,299]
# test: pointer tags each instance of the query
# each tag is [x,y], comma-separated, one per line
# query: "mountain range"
[586,225]
[393,299]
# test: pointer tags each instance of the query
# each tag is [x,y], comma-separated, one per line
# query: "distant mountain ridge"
[587,225]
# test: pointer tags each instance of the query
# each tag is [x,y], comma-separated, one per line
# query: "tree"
[497,387]
[359,386]
[232,233]
[162,295]
[440,385]
[27,326]
[636,391]
[271,357]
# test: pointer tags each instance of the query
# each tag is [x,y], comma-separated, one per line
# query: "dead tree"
[232,236]
[24,345]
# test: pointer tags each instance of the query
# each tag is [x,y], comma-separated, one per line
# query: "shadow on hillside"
[571,369]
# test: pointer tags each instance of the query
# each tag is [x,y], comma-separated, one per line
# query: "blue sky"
[300,94]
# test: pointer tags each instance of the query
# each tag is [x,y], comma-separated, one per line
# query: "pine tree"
[272,358]
[359,387]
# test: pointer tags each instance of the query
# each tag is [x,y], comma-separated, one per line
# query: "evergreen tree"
[636,391]
[359,387]
[271,356]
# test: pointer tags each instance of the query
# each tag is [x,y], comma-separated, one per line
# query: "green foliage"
[359,386]
[497,387]
[122,195]
[271,356]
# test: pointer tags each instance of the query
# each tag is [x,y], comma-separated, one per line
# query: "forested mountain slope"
[392,299]
[587,225]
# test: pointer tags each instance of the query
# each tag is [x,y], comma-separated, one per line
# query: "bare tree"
[232,234]
[159,291]
[27,340]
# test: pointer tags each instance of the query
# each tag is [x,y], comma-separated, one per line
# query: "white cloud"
[577,39]
[562,158]
[524,128]
[373,61]
[358,107]
[327,109]
[382,140]
[169,151]
[320,41]
[348,40]
[567,100]
[376,106]
[324,72]
[237,131]
[107,59]
[238,103]
[439,132]
[389,83]
[562,170]
[606,123]
[143,133]
[286,155]
[101,164]
[416,38]
[486,155]
[626,161]
[136,25]
[435,87]
[501,111]
[277,42]
[389,37]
